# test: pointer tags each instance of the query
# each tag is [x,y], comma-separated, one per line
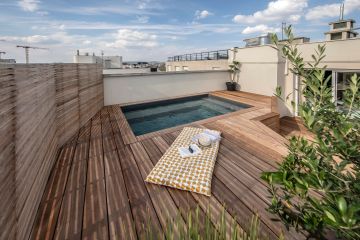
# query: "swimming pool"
[150,117]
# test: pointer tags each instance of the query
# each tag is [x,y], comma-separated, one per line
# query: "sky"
[152,30]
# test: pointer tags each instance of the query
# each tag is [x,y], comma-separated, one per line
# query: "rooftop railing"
[212,55]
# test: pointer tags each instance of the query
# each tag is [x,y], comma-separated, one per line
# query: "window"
[342,83]
[177,68]
[336,36]
[340,25]
[185,68]
[169,68]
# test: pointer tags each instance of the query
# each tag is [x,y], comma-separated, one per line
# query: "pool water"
[155,116]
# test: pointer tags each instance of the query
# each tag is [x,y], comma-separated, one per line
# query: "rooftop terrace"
[97,191]
[211,55]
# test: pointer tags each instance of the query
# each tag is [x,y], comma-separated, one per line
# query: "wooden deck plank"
[163,203]
[184,200]
[95,223]
[252,200]
[141,205]
[49,208]
[69,225]
[95,219]
[121,223]
[127,134]
[250,144]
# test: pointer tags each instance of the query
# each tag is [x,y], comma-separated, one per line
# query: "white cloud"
[56,37]
[42,13]
[29,5]
[202,14]
[86,42]
[279,10]
[332,10]
[260,29]
[127,38]
[26,39]
[142,19]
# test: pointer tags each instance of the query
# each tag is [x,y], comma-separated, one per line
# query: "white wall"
[258,69]
[263,68]
[198,65]
[129,88]
[86,59]
[126,70]
[115,61]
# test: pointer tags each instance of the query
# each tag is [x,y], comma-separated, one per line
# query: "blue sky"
[154,29]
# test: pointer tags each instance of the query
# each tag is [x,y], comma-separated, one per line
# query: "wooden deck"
[97,189]
[292,126]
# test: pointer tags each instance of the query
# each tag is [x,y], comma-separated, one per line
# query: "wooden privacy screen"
[41,107]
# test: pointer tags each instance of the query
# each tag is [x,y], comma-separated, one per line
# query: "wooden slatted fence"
[41,107]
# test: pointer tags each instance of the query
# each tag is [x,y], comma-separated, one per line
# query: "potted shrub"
[234,70]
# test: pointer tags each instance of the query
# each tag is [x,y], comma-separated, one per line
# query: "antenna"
[27,51]
[2,53]
[342,6]
[102,57]
[283,27]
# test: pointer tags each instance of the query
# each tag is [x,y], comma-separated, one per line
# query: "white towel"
[185,152]
[213,135]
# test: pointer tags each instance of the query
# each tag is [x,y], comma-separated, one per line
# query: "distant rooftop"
[211,55]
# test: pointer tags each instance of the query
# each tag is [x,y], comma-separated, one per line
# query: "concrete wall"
[121,89]
[258,69]
[198,65]
[126,70]
[86,59]
[113,62]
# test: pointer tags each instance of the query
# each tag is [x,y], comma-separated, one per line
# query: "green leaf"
[330,216]
[342,205]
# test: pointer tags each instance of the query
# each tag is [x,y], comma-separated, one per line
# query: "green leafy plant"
[234,68]
[317,186]
[222,230]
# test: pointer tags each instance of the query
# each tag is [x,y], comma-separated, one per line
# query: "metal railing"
[212,55]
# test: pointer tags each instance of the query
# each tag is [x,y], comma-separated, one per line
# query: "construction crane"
[27,48]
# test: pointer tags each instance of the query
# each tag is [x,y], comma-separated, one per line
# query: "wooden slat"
[163,203]
[121,223]
[7,154]
[40,110]
[141,206]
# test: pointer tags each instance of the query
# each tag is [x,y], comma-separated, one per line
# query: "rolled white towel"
[213,135]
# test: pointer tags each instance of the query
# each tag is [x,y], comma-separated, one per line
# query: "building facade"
[109,62]
[213,60]
[262,69]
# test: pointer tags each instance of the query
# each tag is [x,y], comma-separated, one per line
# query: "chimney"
[78,52]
